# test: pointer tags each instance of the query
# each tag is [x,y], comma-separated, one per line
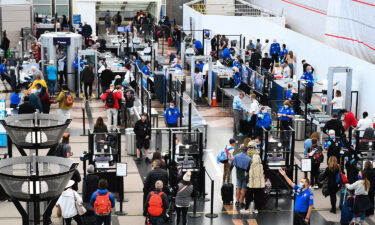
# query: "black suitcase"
[227,194]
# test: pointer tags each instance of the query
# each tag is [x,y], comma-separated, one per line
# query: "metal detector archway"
[209,79]
[88,52]
[348,85]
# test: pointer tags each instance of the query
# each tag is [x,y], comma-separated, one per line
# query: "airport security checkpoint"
[162,112]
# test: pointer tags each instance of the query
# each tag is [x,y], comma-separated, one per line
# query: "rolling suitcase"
[227,194]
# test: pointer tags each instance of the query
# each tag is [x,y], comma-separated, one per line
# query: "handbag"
[79,206]
[344,179]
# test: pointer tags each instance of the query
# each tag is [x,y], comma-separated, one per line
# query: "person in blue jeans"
[171,115]
[102,190]
[242,163]
[51,77]
[304,200]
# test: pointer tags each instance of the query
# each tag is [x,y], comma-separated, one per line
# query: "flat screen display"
[259,83]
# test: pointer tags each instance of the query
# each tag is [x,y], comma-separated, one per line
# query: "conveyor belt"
[232,92]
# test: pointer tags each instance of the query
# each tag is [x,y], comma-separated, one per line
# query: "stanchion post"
[121,196]
[83,122]
[194,214]
[212,214]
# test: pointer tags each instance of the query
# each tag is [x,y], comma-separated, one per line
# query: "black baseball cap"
[232,140]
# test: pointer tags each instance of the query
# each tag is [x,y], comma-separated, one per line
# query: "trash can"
[130,141]
[299,127]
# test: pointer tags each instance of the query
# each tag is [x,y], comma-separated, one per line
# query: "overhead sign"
[76,19]
[61,41]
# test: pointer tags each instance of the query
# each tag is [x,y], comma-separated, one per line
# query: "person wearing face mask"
[252,117]
[308,78]
[171,115]
[304,201]
[361,202]
[333,145]
[330,174]
[263,120]
[286,115]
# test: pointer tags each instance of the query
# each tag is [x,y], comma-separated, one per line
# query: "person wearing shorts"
[142,130]
[242,163]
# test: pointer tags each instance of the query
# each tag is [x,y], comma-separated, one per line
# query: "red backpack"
[102,205]
[155,204]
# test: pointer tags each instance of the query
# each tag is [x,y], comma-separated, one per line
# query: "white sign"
[122,169]
[306,165]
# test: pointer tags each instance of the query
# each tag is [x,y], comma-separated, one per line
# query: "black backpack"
[110,100]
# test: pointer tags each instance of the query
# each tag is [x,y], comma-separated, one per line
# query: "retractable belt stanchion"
[83,122]
[211,215]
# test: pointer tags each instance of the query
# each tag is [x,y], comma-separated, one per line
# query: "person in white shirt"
[363,124]
[286,70]
[337,103]
[66,204]
[254,110]
[266,46]
[324,84]
[129,77]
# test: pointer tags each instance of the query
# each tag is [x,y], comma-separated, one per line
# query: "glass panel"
[36,2]
[62,2]
[43,9]
[62,10]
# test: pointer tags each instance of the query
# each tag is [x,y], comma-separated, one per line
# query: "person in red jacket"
[112,98]
[349,119]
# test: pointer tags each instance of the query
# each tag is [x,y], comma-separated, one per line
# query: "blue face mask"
[300,185]
[359,176]
[332,136]
[286,106]
[172,107]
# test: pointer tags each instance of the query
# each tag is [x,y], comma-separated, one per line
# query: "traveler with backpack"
[317,157]
[156,205]
[242,163]
[111,98]
[66,204]
[154,175]
[63,149]
[103,202]
[183,198]
[225,157]
[65,100]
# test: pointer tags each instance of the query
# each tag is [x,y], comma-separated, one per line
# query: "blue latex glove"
[235,87]
[346,158]
[204,80]
[248,119]
[228,78]
[329,143]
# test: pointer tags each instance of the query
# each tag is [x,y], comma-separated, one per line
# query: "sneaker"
[244,211]
[237,204]
[316,187]
[256,211]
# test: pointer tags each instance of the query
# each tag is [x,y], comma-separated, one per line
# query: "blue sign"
[3,133]
[76,19]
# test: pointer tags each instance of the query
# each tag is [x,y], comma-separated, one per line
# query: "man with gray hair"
[156,205]
[90,183]
[333,145]
[36,72]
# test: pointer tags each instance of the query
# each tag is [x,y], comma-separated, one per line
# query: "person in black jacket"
[5,43]
[142,130]
[26,107]
[86,31]
[88,78]
[106,79]
[334,124]
[90,184]
[255,58]
[154,175]
[330,174]
[371,177]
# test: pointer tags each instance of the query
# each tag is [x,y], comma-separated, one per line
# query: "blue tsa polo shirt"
[303,199]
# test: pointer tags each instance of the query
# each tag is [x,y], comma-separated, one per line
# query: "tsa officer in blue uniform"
[286,115]
[171,115]
[146,69]
[308,77]
[304,200]
[198,47]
